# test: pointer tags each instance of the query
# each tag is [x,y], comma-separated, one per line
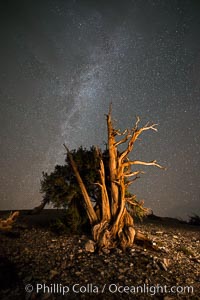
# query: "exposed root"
[141,238]
[126,237]
[102,236]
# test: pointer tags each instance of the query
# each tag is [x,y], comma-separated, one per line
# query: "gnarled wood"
[89,208]
[106,214]
[115,227]
[6,225]
[112,163]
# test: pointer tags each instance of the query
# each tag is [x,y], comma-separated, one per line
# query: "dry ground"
[32,254]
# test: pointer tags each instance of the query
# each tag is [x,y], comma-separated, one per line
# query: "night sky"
[63,62]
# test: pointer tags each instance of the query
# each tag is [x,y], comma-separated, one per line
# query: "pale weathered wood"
[112,164]
[6,225]
[106,214]
[89,208]
[115,226]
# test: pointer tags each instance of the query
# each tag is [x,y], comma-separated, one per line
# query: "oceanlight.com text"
[112,288]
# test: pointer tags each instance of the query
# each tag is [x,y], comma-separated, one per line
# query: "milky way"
[63,62]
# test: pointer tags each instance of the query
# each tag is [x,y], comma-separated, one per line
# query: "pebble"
[175,237]
[90,246]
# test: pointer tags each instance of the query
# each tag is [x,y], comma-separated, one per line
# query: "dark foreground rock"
[38,264]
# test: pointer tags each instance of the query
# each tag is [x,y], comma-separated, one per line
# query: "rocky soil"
[36,263]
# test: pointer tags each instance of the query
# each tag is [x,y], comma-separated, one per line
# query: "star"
[62,63]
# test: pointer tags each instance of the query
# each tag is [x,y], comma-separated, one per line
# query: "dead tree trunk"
[6,225]
[116,226]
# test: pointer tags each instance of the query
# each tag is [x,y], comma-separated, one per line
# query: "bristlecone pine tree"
[114,226]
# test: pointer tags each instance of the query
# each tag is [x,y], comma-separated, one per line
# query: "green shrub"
[58,226]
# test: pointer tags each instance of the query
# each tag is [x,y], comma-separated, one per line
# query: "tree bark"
[89,208]
[112,165]
[38,209]
[115,227]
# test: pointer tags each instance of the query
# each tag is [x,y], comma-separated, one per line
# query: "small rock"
[53,273]
[175,237]
[163,266]
[118,251]
[156,266]
[71,256]
[121,270]
[166,262]
[78,273]
[63,265]
[105,250]
[90,246]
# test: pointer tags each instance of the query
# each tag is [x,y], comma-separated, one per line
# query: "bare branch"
[140,205]
[131,181]
[133,197]
[135,134]
[133,173]
[136,124]
[97,183]
[127,136]
[110,108]
[138,162]
[118,132]
[146,127]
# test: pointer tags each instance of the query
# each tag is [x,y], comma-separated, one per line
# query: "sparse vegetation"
[58,226]
[194,220]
